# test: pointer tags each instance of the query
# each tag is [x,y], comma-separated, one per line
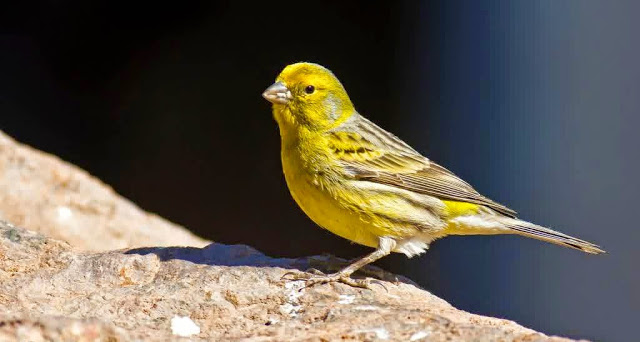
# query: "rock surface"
[40,192]
[90,288]
[50,291]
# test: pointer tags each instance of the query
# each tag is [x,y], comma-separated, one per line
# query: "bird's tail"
[545,234]
[491,224]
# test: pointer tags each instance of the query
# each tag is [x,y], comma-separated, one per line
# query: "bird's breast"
[318,194]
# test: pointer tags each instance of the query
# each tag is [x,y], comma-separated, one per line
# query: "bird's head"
[308,95]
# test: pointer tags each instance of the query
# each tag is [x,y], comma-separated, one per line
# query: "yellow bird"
[364,184]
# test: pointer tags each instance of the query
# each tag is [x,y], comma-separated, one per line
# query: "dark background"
[535,103]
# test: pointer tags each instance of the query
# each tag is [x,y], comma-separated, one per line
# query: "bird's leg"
[385,246]
[330,263]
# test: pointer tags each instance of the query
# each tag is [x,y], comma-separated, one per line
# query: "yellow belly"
[323,208]
[363,216]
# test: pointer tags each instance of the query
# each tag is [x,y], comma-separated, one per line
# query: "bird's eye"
[309,89]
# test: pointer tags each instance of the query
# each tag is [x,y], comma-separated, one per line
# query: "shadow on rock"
[216,254]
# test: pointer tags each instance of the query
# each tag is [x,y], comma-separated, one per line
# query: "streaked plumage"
[365,184]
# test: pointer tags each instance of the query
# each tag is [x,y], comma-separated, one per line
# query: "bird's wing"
[369,153]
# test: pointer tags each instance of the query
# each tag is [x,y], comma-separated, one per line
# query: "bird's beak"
[277,93]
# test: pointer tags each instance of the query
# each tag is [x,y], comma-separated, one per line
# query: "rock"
[75,276]
[51,291]
[40,192]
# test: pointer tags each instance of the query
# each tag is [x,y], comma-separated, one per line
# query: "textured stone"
[74,276]
[50,291]
[40,192]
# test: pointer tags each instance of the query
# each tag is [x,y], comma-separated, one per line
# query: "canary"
[364,184]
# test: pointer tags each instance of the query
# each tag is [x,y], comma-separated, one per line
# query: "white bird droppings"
[184,326]
[76,329]
[290,309]
[346,299]
[64,213]
[418,336]
[295,290]
[381,333]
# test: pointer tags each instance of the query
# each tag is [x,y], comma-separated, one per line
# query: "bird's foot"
[314,277]
[331,263]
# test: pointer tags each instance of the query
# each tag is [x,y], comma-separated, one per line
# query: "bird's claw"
[315,271]
[293,275]
[314,277]
[381,284]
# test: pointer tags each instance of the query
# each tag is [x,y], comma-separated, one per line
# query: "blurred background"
[535,103]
